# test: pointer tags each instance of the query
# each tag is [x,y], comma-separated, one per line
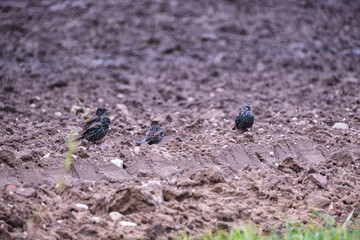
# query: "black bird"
[245,119]
[154,135]
[100,113]
[96,127]
[96,130]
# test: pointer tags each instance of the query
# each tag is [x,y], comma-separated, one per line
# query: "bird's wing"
[89,121]
[91,126]
[151,135]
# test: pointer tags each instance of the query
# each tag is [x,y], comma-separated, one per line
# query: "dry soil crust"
[192,65]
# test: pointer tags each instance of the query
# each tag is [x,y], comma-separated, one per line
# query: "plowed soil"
[191,65]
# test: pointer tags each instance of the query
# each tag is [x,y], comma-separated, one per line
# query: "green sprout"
[68,157]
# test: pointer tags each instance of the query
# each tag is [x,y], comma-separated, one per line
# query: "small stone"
[118,162]
[58,114]
[154,182]
[81,206]
[96,219]
[46,155]
[115,216]
[123,108]
[294,119]
[271,153]
[341,126]
[137,150]
[33,105]
[120,95]
[100,100]
[128,224]
[209,37]
[219,90]
[27,192]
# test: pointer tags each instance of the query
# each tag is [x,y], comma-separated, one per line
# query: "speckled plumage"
[100,113]
[154,135]
[96,127]
[245,119]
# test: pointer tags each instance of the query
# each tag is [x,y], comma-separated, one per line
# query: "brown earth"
[192,65]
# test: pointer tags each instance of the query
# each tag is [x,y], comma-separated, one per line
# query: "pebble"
[81,206]
[123,108]
[115,216]
[128,224]
[58,114]
[209,37]
[294,118]
[219,90]
[118,162]
[100,100]
[341,126]
[120,95]
[27,192]
[96,219]
[271,154]
[137,150]
[46,155]
[153,182]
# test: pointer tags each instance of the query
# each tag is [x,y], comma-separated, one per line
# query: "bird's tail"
[140,141]
[78,138]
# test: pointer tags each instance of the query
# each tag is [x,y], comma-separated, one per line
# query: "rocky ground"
[191,65]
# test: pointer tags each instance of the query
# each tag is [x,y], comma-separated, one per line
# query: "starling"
[154,135]
[96,127]
[245,119]
[100,113]
[96,130]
